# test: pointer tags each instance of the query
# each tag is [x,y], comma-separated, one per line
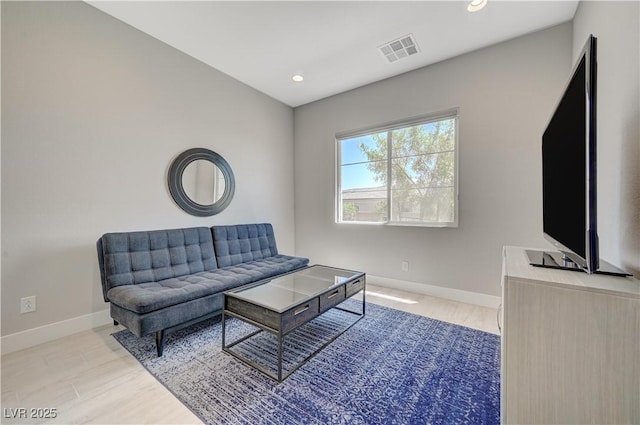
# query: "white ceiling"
[334,44]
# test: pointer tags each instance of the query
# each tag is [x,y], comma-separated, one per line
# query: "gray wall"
[93,113]
[506,94]
[617,27]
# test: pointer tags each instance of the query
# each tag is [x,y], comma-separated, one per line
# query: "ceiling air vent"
[403,47]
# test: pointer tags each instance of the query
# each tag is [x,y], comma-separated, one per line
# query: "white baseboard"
[437,291]
[32,337]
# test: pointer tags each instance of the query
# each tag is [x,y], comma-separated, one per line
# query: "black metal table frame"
[280,336]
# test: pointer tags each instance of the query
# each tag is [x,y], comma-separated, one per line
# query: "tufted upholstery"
[161,279]
[151,296]
[243,243]
[139,257]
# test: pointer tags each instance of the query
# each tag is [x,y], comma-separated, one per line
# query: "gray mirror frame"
[174,180]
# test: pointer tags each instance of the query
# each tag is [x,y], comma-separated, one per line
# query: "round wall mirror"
[201,182]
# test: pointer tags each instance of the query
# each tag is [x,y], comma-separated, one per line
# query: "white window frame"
[452,113]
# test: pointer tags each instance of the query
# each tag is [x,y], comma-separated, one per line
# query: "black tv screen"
[569,167]
[564,171]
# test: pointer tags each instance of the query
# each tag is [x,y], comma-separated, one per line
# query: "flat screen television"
[569,195]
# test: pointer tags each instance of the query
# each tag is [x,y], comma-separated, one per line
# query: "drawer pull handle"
[355,282]
[301,310]
[333,295]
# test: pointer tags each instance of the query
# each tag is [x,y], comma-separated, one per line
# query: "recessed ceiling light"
[476,5]
[298,78]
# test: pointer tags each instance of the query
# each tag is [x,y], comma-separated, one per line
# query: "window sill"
[399,224]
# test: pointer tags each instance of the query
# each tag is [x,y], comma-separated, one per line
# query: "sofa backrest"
[240,243]
[132,258]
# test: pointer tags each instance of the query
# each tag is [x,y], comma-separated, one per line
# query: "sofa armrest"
[103,279]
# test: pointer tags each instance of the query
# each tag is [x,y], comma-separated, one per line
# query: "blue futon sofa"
[160,280]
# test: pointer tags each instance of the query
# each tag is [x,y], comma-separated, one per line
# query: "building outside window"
[420,156]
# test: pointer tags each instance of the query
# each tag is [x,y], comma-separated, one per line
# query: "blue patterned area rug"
[391,367]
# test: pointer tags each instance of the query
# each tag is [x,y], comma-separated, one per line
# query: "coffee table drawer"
[355,286]
[332,298]
[296,316]
[254,312]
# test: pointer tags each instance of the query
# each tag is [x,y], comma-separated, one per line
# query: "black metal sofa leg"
[160,338]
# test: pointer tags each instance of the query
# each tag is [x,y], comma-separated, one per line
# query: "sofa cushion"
[151,296]
[135,258]
[268,267]
[242,243]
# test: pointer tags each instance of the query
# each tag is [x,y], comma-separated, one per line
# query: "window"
[403,173]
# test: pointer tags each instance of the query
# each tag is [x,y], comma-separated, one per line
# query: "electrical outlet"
[27,304]
[405,266]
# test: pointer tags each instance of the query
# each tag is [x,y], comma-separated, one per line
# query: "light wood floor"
[89,378]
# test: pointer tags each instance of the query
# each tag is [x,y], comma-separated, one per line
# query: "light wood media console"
[570,345]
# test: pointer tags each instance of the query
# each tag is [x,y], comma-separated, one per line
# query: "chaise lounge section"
[161,280]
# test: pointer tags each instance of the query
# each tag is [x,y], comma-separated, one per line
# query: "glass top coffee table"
[285,303]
